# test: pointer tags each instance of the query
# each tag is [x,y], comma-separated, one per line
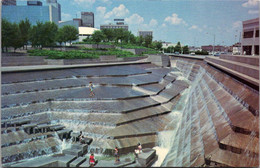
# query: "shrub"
[203,52]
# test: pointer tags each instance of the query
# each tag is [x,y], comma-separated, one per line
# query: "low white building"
[85,32]
[167,44]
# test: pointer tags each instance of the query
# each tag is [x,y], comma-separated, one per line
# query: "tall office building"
[145,33]
[119,24]
[8,2]
[51,1]
[55,4]
[34,13]
[34,3]
[87,19]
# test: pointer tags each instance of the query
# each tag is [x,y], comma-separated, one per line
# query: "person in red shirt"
[116,155]
[92,161]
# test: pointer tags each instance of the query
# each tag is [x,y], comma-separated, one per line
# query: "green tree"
[170,49]
[157,45]
[87,39]
[43,34]
[17,41]
[98,36]
[139,40]
[177,48]
[35,34]
[121,34]
[7,32]
[70,33]
[132,39]
[25,27]
[148,40]
[109,34]
[11,35]
[185,50]
[60,36]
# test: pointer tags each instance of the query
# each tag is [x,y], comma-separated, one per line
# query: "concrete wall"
[136,51]
[94,45]
[160,60]
[12,60]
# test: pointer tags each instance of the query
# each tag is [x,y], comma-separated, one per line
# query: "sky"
[192,22]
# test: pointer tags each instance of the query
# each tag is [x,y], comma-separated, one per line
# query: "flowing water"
[172,140]
[166,138]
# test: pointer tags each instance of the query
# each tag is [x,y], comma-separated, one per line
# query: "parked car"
[193,53]
[217,54]
[176,52]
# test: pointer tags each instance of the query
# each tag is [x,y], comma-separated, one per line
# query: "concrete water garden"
[192,113]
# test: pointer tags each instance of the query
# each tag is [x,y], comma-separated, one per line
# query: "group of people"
[93,161]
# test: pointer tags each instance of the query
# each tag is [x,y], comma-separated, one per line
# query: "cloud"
[66,16]
[134,19]
[119,11]
[101,10]
[195,27]
[85,2]
[205,26]
[153,23]
[174,20]
[250,3]
[237,25]
[106,1]
[164,25]
[252,12]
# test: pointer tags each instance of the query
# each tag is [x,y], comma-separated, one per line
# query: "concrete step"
[77,162]
[227,138]
[246,72]
[251,60]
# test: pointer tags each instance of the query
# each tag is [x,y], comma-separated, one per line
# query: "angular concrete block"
[146,156]
[74,152]
[78,162]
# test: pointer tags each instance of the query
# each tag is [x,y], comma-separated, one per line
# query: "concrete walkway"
[53,67]
[187,56]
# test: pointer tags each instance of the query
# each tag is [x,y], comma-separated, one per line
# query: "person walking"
[116,155]
[92,161]
[91,89]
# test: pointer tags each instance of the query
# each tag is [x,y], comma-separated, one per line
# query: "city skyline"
[190,22]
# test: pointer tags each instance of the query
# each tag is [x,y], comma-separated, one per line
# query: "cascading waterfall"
[166,138]
[175,140]
[66,144]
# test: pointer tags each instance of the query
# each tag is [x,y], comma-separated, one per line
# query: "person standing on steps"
[91,89]
[138,150]
[92,161]
[116,155]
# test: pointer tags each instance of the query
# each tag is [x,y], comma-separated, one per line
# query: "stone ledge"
[246,69]
[251,60]
[242,76]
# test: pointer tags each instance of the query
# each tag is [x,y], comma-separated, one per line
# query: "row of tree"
[40,35]
[124,37]
[178,48]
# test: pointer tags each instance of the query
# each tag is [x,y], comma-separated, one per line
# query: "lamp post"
[213,43]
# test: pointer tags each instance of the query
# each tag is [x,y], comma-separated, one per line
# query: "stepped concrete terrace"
[220,123]
[134,102]
[41,104]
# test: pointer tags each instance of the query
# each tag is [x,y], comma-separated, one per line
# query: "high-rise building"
[55,4]
[33,13]
[8,2]
[34,3]
[119,24]
[87,19]
[51,1]
[145,33]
